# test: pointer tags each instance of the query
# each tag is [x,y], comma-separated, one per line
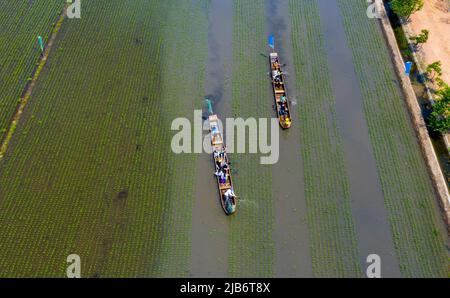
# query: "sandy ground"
[435,16]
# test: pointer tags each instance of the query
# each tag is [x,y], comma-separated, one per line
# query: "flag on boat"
[209,105]
[272,41]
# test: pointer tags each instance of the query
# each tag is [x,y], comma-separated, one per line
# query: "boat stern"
[285,123]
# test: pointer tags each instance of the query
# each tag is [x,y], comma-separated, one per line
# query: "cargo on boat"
[228,198]
[279,91]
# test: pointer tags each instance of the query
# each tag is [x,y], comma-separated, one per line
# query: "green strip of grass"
[407,188]
[334,248]
[251,247]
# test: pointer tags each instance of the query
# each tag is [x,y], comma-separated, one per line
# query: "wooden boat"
[279,91]
[228,202]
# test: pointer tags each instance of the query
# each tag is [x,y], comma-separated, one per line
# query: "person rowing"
[224,166]
[229,193]
[216,154]
[283,111]
[222,153]
[223,177]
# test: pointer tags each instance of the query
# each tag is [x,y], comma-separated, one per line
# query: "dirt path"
[30,86]
[435,16]
[210,226]
[291,236]
[367,202]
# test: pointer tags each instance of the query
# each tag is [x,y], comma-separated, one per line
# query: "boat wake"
[248,202]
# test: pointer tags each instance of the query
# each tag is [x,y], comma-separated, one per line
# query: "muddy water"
[292,256]
[210,225]
[373,230]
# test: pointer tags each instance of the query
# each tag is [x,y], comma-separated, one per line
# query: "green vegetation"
[251,247]
[434,70]
[420,38]
[331,226]
[21,22]
[403,43]
[408,193]
[440,117]
[405,8]
[89,169]
[21,103]
[433,74]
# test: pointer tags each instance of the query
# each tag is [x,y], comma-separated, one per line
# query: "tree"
[441,83]
[434,69]
[421,38]
[440,117]
[405,8]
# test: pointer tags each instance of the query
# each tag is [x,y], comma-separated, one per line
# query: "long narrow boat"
[279,91]
[226,191]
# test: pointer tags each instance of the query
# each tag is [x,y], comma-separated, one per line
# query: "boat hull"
[281,98]
[223,186]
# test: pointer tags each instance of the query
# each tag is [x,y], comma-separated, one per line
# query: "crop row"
[334,247]
[407,188]
[90,169]
[251,247]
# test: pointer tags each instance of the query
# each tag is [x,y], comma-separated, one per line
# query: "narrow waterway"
[292,255]
[210,225]
[372,225]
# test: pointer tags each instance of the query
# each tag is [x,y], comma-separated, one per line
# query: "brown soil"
[435,16]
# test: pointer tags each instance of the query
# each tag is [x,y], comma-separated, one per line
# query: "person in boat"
[276,64]
[283,111]
[224,166]
[219,172]
[222,153]
[287,121]
[276,73]
[223,178]
[218,164]
[216,154]
[283,99]
[229,193]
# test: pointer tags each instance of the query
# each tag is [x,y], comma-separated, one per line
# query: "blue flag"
[408,66]
[209,105]
[41,43]
[272,41]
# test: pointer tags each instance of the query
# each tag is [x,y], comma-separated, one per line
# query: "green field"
[251,232]
[90,170]
[333,239]
[21,22]
[407,189]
